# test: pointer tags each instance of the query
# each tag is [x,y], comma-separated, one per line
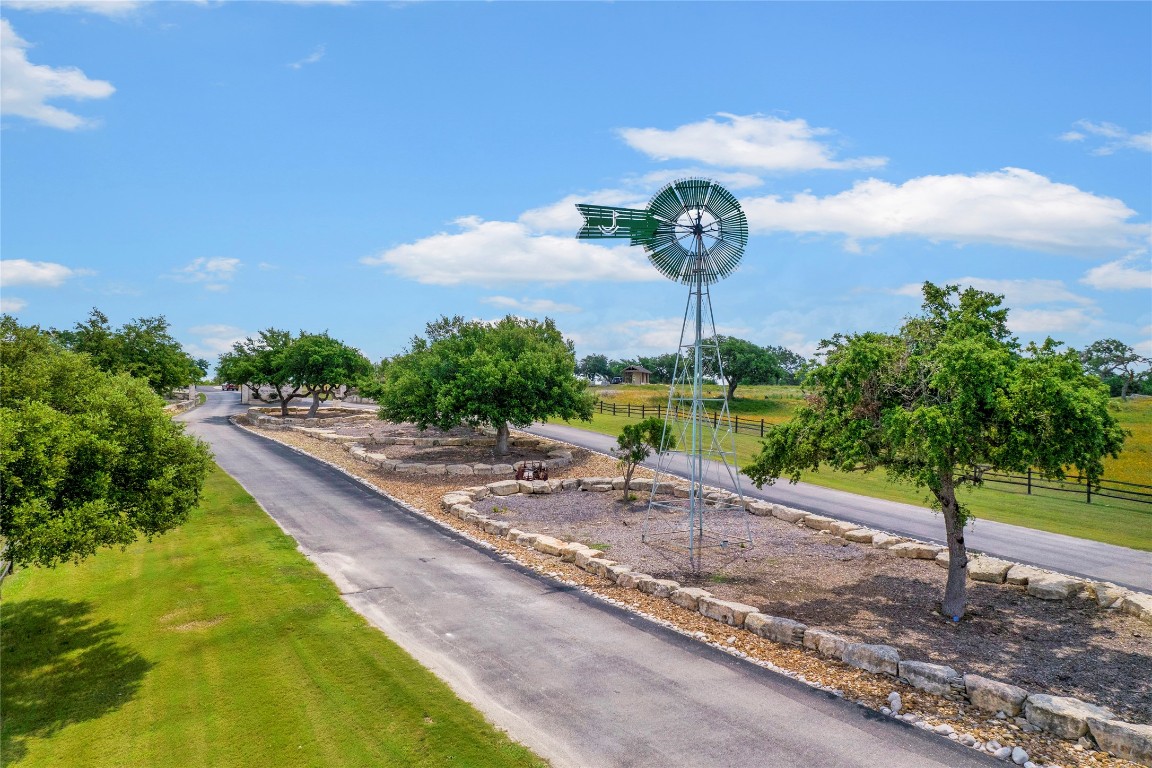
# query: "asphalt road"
[1079,557]
[579,681]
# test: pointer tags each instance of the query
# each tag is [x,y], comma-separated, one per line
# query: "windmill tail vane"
[606,221]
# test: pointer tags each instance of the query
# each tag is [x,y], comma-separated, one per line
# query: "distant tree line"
[741,362]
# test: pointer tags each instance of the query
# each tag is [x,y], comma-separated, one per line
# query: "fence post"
[642,411]
[737,423]
[613,409]
[1088,485]
[761,427]
[1029,481]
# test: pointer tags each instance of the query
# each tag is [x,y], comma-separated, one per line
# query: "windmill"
[694,232]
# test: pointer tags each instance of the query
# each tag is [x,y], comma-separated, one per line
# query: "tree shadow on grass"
[61,667]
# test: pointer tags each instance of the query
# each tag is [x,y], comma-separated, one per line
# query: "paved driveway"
[579,681]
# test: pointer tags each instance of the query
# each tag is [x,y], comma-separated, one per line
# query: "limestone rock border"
[1064,717]
[558,454]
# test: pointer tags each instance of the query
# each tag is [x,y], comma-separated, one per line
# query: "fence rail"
[1111,489]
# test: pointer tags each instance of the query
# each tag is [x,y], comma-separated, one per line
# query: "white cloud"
[1114,137]
[1123,274]
[1144,346]
[25,88]
[312,58]
[492,252]
[1048,321]
[1012,207]
[112,8]
[746,141]
[10,304]
[43,273]
[213,273]
[214,339]
[531,306]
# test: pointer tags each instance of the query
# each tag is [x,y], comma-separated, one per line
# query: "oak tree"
[88,459]
[950,396]
[513,371]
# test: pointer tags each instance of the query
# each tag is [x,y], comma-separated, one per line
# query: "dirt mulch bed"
[1066,648]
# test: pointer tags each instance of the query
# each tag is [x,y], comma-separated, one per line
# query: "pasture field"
[1112,521]
[218,644]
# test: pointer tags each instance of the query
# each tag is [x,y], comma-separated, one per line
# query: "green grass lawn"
[218,644]
[1128,524]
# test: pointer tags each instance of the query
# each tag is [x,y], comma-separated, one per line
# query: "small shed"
[636,374]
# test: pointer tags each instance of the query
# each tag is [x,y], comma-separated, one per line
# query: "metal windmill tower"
[694,233]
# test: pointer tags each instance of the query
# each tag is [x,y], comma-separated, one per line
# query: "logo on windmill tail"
[605,221]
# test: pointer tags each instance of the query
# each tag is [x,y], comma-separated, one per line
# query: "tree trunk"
[732,388]
[283,404]
[628,480]
[502,439]
[315,404]
[956,591]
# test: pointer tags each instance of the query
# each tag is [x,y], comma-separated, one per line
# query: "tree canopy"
[513,371]
[948,397]
[259,362]
[88,459]
[743,362]
[320,366]
[142,347]
[593,367]
[311,365]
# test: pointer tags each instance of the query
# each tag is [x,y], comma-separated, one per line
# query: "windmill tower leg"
[711,525]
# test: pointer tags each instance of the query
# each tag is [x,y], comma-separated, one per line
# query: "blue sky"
[367,167]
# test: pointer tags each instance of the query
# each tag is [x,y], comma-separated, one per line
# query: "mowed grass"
[218,644]
[1111,521]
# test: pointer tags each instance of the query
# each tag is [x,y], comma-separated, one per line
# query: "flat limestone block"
[448,500]
[631,580]
[1109,595]
[787,514]
[1127,740]
[504,487]
[872,658]
[861,535]
[759,508]
[886,541]
[775,628]
[934,678]
[549,545]
[915,550]
[657,587]
[1139,605]
[826,643]
[1064,716]
[841,528]
[689,597]
[818,522]
[1052,587]
[724,611]
[1021,574]
[989,569]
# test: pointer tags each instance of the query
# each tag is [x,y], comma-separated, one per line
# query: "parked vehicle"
[228,387]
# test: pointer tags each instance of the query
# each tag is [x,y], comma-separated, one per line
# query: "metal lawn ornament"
[694,232]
